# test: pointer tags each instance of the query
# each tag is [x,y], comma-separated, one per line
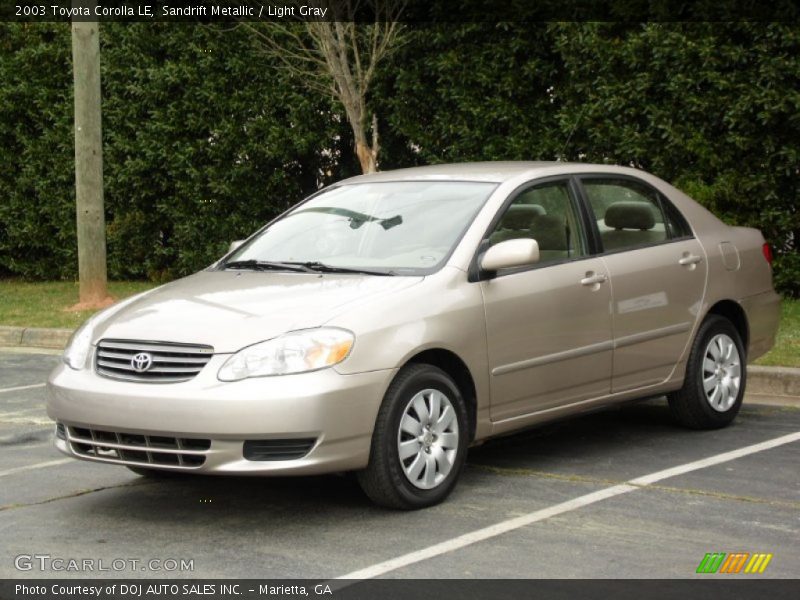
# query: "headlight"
[79,346]
[295,352]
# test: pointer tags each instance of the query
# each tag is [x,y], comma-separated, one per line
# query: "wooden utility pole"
[89,161]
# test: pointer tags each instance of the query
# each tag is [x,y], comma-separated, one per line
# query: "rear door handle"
[690,259]
[594,279]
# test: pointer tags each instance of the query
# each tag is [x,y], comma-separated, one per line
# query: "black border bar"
[412,11]
[708,588]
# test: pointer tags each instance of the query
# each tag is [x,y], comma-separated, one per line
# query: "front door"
[549,325]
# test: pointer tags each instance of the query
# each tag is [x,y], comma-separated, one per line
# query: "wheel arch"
[452,364]
[733,312]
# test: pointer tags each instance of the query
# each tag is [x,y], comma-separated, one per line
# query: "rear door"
[658,275]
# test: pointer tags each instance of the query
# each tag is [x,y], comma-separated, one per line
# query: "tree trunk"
[367,155]
[89,162]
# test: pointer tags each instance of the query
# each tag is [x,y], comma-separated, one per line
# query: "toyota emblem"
[141,362]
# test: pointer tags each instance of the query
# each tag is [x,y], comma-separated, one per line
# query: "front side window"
[628,213]
[402,228]
[545,213]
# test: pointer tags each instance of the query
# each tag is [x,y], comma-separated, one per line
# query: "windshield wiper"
[357,219]
[319,267]
[265,265]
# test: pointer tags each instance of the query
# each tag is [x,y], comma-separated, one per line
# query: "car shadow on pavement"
[611,445]
[599,431]
[160,498]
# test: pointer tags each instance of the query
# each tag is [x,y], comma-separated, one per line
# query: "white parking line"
[26,420]
[540,515]
[22,387]
[24,411]
[42,465]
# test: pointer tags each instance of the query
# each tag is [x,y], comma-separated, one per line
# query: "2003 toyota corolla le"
[391,320]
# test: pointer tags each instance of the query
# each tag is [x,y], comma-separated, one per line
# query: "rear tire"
[716,375]
[420,440]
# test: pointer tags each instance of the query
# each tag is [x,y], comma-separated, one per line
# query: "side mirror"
[235,245]
[511,253]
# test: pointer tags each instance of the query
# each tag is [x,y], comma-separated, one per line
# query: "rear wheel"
[713,389]
[420,440]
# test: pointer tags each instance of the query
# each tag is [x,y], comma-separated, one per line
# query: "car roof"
[496,172]
[470,171]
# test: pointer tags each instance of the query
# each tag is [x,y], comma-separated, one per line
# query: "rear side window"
[630,214]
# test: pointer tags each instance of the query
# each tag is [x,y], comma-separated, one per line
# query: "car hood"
[232,309]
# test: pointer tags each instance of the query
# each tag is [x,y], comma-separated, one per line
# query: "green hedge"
[205,139]
[203,142]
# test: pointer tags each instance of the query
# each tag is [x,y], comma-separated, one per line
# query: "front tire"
[420,440]
[716,373]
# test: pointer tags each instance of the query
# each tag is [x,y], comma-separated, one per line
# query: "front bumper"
[336,411]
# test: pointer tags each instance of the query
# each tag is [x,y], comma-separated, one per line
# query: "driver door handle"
[594,279]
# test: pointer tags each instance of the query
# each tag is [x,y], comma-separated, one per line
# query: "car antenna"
[561,155]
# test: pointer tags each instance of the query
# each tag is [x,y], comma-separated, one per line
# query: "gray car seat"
[516,223]
[631,224]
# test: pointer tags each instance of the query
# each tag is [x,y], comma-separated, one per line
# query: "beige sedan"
[390,321]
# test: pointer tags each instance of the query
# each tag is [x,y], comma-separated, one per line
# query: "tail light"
[767,252]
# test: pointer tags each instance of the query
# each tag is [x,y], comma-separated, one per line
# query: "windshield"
[402,228]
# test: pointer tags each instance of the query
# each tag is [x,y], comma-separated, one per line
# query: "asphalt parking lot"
[500,522]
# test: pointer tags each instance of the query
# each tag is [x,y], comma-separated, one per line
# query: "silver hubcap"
[722,372]
[427,442]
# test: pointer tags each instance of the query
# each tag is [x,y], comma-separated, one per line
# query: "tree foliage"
[202,144]
[712,107]
[339,59]
[473,91]
[205,138]
[37,181]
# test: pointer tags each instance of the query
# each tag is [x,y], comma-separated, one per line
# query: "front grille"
[138,449]
[167,363]
[286,449]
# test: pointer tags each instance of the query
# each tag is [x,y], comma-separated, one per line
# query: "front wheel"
[420,440]
[713,389]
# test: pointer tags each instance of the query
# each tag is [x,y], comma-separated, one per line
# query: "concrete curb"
[35,337]
[773,381]
[767,381]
